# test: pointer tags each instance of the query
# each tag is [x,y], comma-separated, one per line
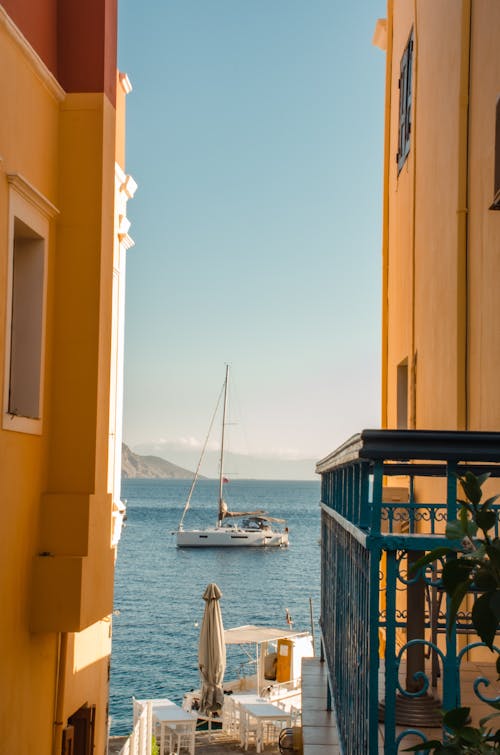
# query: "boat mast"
[221,465]
[196,474]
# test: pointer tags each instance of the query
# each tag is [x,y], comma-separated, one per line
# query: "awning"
[251,633]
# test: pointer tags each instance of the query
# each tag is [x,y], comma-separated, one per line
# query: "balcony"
[72,585]
[390,663]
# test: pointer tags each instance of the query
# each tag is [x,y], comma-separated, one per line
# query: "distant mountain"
[148,467]
[237,466]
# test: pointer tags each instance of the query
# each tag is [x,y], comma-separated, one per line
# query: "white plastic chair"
[249,731]
[271,731]
[164,736]
[295,715]
[183,737]
[231,717]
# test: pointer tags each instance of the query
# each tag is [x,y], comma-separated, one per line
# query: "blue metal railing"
[345,610]
[378,623]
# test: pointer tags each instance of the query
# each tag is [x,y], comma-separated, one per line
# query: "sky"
[255,134]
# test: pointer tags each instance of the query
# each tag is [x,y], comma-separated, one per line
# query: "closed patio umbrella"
[212,653]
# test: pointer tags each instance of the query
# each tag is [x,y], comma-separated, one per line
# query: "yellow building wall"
[27,660]
[441,243]
[54,487]
[484,224]
[437,269]
[400,227]
[441,249]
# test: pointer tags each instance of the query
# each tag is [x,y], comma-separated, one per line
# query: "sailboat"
[253,528]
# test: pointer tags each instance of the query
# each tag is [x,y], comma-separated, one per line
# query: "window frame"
[496,167]
[405,84]
[30,207]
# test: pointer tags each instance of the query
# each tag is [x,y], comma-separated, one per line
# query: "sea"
[158,605]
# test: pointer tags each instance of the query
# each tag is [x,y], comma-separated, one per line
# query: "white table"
[263,713]
[242,698]
[174,721]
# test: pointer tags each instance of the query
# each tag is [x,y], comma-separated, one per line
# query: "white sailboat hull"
[257,531]
[230,537]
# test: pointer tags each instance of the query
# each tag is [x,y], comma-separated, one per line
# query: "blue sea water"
[158,589]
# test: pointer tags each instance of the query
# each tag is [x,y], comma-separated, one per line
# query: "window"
[83,724]
[496,187]
[402,396]
[405,94]
[25,315]
[26,321]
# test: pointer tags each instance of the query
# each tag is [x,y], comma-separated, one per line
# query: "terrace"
[389,663]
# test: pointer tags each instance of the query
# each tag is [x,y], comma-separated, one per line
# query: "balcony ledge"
[409,445]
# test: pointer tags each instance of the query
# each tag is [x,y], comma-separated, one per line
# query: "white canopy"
[256,634]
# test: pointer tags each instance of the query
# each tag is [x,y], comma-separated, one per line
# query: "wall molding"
[32,195]
[46,77]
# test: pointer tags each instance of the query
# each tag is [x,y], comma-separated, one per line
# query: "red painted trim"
[76,40]
[87,37]
[38,23]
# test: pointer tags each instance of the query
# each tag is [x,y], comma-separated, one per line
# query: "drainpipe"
[62,659]
[415,606]
[415,595]
[385,210]
[462,409]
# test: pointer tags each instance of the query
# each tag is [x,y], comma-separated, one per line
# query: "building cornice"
[126,187]
[39,67]
[32,195]
[124,82]
[125,181]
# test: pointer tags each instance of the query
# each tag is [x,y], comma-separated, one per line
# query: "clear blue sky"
[255,133]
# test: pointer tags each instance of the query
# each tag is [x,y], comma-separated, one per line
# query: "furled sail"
[260,514]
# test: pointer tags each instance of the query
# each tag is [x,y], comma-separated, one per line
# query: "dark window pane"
[405,98]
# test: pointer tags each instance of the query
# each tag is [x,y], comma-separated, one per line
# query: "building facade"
[63,241]
[393,659]
[441,266]
[441,222]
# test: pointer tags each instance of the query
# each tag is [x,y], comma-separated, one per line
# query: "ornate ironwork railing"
[391,664]
[345,610]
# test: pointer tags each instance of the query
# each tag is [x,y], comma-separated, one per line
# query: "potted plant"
[473,568]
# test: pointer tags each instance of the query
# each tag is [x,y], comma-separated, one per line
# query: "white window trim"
[27,204]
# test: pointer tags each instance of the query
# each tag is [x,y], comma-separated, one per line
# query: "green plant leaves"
[493,552]
[456,718]
[455,572]
[424,746]
[461,738]
[471,486]
[430,557]
[495,603]
[476,568]
[485,519]
[484,580]
[460,528]
[456,599]
[490,502]
[484,617]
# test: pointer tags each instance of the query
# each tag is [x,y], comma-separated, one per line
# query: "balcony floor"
[319,726]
